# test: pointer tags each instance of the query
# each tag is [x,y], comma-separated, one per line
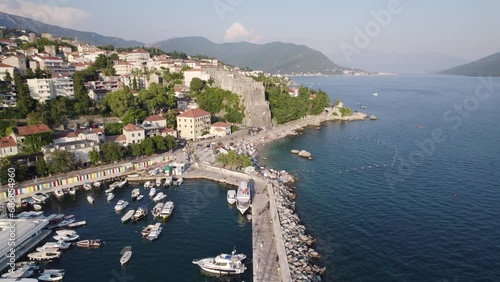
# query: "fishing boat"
[51,275]
[77,224]
[231,197]
[155,232]
[128,216]
[59,193]
[110,196]
[44,255]
[179,181]
[145,232]
[90,199]
[140,197]
[157,210]
[87,186]
[94,243]
[147,184]
[120,184]
[121,205]
[158,181]
[139,214]
[243,197]
[97,184]
[160,196]
[152,192]
[72,191]
[135,193]
[66,235]
[126,254]
[223,264]
[167,210]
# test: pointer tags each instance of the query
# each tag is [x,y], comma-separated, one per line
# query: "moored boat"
[54,245]
[146,230]
[126,254]
[243,197]
[110,189]
[59,193]
[72,191]
[97,184]
[66,221]
[168,181]
[77,224]
[152,192]
[120,184]
[37,207]
[51,275]
[44,255]
[66,235]
[147,184]
[178,181]
[158,182]
[121,205]
[160,196]
[87,186]
[135,193]
[167,210]
[127,216]
[40,197]
[157,210]
[223,264]
[231,197]
[155,232]
[94,243]
[139,214]
[140,197]
[110,196]
[21,271]
[90,199]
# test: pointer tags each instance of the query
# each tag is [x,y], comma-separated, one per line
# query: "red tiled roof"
[6,142]
[166,130]
[195,113]
[2,65]
[221,124]
[130,127]
[33,129]
[155,118]
[121,138]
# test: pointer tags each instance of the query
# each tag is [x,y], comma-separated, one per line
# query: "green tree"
[94,157]
[113,128]
[111,152]
[34,143]
[132,115]
[171,119]
[160,144]
[61,162]
[42,168]
[148,146]
[7,77]
[196,84]
[136,149]
[118,102]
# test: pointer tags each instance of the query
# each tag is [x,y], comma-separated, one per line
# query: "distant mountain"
[12,21]
[487,66]
[276,57]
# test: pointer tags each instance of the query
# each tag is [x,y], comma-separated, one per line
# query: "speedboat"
[77,224]
[159,197]
[139,214]
[87,186]
[90,199]
[231,197]
[110,196]
[223,264]
[179,181]
[126,254]
[120,184]
[140,197]
[52,275]
[157,210]
[121,205]
[135,193]
[155,232]
[40,197]
[147,184]
[110,189]
[243,197]
[168,181]
[94,243]
[44,255]
[66,235]
[158,182]
[128,215]
[167,210]
[152,192]
[97,184]
[145,232]
[59,193]
[72,191]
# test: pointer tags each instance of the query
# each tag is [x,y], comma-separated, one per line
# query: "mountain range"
[487,66]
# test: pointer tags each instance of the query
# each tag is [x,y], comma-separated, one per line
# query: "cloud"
[54,14]
[237,32]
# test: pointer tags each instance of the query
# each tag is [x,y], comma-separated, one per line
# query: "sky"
[349,31]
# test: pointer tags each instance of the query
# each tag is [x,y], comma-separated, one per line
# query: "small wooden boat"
[128,216]
[72,191]
[90,199]
[87,186]
[126,254]
[94,243]
[59,193]
[44,255]
[77,224]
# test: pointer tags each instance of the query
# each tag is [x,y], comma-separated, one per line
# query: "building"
[8,96]
[193,124]
[124,68]
[55,65]
[20,133]
[220,129]
[110,83]
[92,134]
[80,149]
[157,120]
[98,94]
[192,73]
[17,61]
[137,56]
[4,69]
[8,147]
[168,131]
[50,88]
[51,49]
[133,134]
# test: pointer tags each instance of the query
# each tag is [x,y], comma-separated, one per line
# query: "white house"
[8,147]
[133,134]
[220,129]
[123,68]
[17,61]
[80,149]
[4,69]
[193,123]
[49,88]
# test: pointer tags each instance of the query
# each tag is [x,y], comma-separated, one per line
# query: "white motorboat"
[72,191]
[152,192]
[120,184]
[249,217]
[231,197]
[66,221]
[77,224]
[160,196]
[87,186]
[139,214]
[110,196]
[121,205]
[66,235]
[168,181]
[128,216]
[178,181]
[155,232]
[59,193]
[223,264]
[90,199]
[158,182]
[135,193]
[52,275]
[157,210]
[167,210]
[126,254]
[54,245]
[243,197]
[37,207]
[97,184]
[110,189]
[44,255]
[40,197]
[140,197]
[145,232]
[147,184]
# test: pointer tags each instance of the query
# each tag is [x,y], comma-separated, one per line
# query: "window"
[133,135]
[139,134]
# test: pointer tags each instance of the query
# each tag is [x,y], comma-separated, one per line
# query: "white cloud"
[237,32]
[54,14]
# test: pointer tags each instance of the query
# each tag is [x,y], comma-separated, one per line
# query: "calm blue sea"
[202,225]
[413,196]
